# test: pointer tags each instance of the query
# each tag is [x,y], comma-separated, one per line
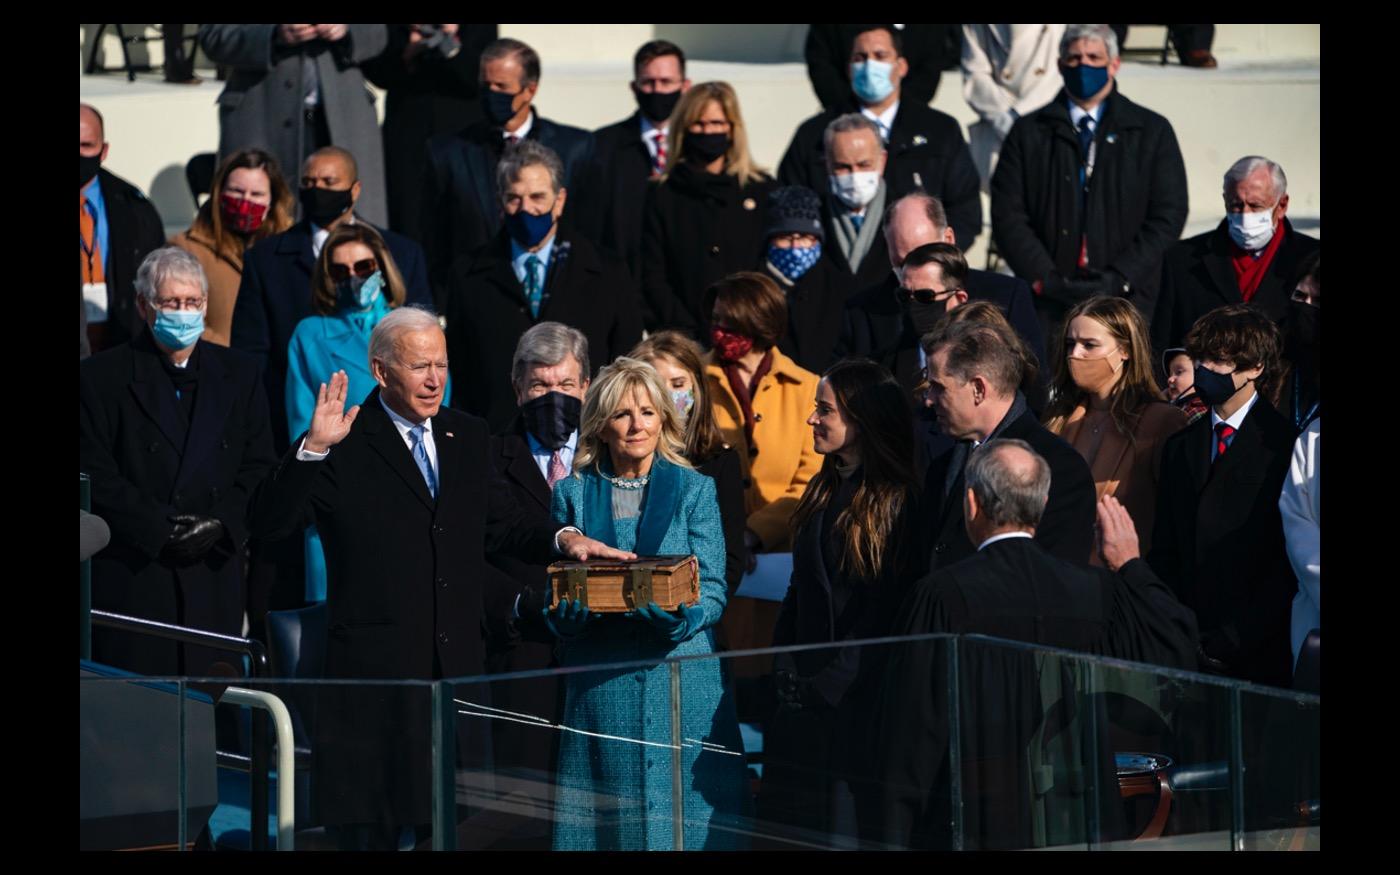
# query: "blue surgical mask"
[1083,82]
[177,329]
[684,400]
[528,230]
[793,263]
[870,80]
[360,292]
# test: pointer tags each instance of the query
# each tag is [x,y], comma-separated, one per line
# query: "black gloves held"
[192,538]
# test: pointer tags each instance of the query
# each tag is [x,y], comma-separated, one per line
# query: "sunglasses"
[364,269]
[925,296]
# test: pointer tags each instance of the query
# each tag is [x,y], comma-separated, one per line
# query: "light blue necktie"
[420,455]
[533,289]
[857,221]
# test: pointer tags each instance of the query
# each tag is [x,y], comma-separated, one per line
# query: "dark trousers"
[179,67]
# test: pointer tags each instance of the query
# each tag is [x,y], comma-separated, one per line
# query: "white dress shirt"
[649,137]
[319,235]
[885,119]
[1004,536]
[523,129]
[1234,422]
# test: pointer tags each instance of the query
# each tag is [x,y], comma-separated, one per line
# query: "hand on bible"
[1118,540]
[581,547]
[330,422]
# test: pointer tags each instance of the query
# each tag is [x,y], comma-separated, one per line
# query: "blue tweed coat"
[615,766]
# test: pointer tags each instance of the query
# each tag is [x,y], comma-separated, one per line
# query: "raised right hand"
[292,34]
[330,422]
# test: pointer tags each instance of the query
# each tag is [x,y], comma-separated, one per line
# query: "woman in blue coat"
[355,283]
[632,488]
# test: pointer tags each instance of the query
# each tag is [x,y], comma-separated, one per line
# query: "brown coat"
[778,475]
[224,275]
[1127,472]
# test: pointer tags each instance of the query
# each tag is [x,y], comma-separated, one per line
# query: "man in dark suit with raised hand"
[461,200]
[926,148]
[973,375]
[407,502]
[1011,588]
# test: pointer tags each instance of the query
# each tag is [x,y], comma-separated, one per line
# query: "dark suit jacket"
[1218,541]
[433,96]
[1011,589]
[148,462]
[134,230]
[929,49]
[1066,528]
[1136,201]
[275,294]
[404,584]
[926,150]
[1197,277]
[487,312]
[626,166]
[874,325]
[462,208]
[815,303]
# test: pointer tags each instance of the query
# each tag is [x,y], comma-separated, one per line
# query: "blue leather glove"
[677,627]
[568,619]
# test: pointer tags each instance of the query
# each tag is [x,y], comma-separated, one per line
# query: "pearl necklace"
[626,483]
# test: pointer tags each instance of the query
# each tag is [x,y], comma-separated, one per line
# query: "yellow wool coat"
[776,477]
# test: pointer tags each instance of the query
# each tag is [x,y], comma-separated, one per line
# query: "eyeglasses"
[364,269]
[179,304]
[1303,296]
[795,239]
[925,296]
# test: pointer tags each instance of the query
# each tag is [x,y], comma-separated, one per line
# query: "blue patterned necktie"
[420,456]
[857,221]
[533,286]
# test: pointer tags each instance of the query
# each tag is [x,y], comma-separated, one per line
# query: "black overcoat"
[134,230]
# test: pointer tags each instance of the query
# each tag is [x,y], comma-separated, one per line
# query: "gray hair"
[525,154]
[383,340]
[1009,494]
[1103,32]
[933,210]
[548,344]
[851,121]
[165,264]
[1243,168]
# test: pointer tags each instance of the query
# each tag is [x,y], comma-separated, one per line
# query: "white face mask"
[855,189]
[1251,231]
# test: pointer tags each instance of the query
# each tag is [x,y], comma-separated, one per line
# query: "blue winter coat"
[615,756]
[320,346]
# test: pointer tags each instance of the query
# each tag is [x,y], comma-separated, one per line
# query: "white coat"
[1301,532]
[1006,67]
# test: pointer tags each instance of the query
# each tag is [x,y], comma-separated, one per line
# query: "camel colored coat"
[224,276]
[1128,473]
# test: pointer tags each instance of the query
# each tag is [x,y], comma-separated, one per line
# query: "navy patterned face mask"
[793,263]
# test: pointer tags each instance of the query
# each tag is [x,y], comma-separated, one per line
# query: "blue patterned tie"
[857,221]
[420,455]
[533,290]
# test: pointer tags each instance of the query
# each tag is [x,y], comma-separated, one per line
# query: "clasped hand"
[677,627]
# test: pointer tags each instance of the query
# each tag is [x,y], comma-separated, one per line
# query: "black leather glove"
[794,693]
[192,538]
[1086,284]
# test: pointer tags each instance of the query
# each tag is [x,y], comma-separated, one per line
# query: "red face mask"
[730,347]
[242,216]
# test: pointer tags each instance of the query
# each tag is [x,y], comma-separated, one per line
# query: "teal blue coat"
[615,755]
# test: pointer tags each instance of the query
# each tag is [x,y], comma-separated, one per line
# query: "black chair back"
[1307,674]
[199,174]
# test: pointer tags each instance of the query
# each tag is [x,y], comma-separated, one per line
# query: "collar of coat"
[783,368]
[1119,113]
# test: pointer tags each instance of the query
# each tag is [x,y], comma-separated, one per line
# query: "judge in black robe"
[1011,588]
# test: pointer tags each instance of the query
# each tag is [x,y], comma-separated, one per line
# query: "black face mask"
[1301,325]
[1214,388]
[87,168]
[704,148]
[924,316]
[551,418]
[324,205]
[497,107]
[657,106]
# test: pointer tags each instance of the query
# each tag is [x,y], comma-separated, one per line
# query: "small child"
[1181,389]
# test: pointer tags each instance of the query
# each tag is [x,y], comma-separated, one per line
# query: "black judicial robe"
[1012,589]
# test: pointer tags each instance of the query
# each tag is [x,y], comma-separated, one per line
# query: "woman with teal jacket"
[632,489]
[354,285]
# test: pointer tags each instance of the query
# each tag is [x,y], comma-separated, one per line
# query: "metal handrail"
[286,762]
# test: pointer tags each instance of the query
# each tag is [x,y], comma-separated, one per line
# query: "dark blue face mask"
[497,106]
[1083,82]
[528,230]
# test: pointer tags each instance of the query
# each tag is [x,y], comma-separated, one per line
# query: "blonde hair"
[737,161]
[612,389]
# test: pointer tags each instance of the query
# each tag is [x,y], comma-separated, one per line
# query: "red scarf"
[744,393]
[1249,271]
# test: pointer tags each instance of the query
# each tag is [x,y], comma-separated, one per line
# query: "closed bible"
[611,587]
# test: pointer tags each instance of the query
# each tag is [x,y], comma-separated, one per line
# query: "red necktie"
[660,137]
[557,471]
[1223,432]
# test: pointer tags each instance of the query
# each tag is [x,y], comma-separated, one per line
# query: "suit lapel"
[152,391]
[481,169]
[1198,451]
[1219,269]
[384,437]
[449,459]
[212,400]
[1242,450]
[520,466]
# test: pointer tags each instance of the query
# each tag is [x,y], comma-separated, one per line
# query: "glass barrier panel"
[1280,744]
